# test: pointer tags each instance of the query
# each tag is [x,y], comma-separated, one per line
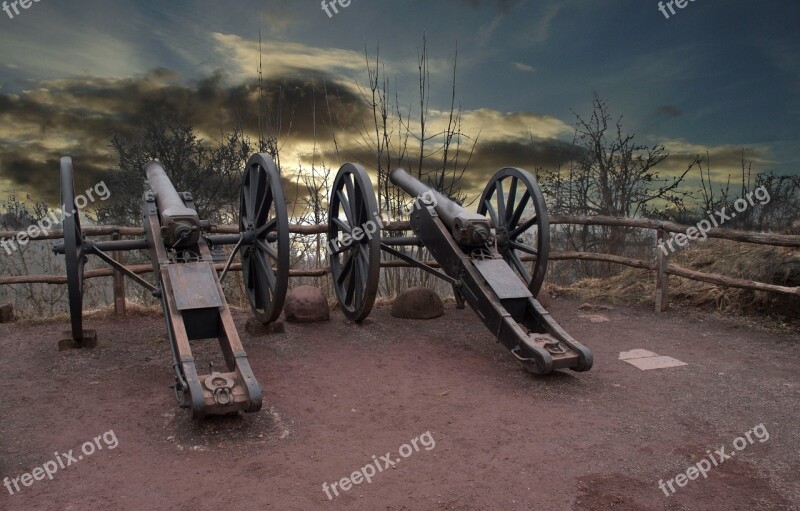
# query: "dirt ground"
[337,394]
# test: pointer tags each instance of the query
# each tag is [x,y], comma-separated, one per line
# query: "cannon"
[186,258]
[483,255]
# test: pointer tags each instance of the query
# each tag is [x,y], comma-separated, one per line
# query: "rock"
[306,304]
[594,318]
[590,307]
[7,313]
[418,303]
[544,298]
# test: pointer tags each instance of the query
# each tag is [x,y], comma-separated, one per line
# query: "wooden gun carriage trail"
[480,254]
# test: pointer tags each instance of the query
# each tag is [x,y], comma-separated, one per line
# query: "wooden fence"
[661,265]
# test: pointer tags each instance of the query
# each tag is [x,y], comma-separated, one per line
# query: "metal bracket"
[515,352]
[221,387]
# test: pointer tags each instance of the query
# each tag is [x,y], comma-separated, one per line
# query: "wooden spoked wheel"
[515,204]
[354,241]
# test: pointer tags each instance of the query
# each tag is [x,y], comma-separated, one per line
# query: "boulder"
[306,304]
[418,303]
[544,298]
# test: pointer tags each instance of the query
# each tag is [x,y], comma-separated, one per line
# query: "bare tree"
[620,174]
[211,172]
[611,175]
[403,136]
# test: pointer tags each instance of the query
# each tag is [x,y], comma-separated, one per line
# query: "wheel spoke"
[343,226]
[344,205]
[258,197]
[512,196]
[268,226]
[255,282]
[264,205]
[340,249]
[501,202]
[492,213]
[351,196]
[362,248]
[253,189]
[351,287]
[267,249]
[362,265]
[265,273]
[247,213]
[346,268]
[524,227]
[359,274]
[523,203]
[525,248]
[519,265]
[359,208]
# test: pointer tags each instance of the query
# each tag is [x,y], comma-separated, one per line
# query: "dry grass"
[772,265]
[107,311]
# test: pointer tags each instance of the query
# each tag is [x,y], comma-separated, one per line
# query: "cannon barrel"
[468,228]
[179,224]
[447,210]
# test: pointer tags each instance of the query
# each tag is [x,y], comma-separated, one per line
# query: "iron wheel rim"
[74,251]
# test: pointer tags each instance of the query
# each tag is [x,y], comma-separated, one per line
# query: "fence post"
[662,278]
[119,281]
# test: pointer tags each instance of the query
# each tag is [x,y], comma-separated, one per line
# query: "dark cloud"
[35,170]
[533,156]
[668,112]
[78,117]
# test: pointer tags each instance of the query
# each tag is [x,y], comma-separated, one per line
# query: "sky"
[721,78]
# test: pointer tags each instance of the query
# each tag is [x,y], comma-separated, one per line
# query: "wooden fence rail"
[661,265]
[761,238]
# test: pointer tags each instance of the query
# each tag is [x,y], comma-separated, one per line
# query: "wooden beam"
[759,238]
[138,269]
[109,230]
[662,278]
[721,280]
[119,281]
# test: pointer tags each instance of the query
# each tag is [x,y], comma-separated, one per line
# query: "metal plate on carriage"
[194,286]
[502,279]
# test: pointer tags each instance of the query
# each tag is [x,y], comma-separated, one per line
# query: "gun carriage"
[482,255]
[183,253]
